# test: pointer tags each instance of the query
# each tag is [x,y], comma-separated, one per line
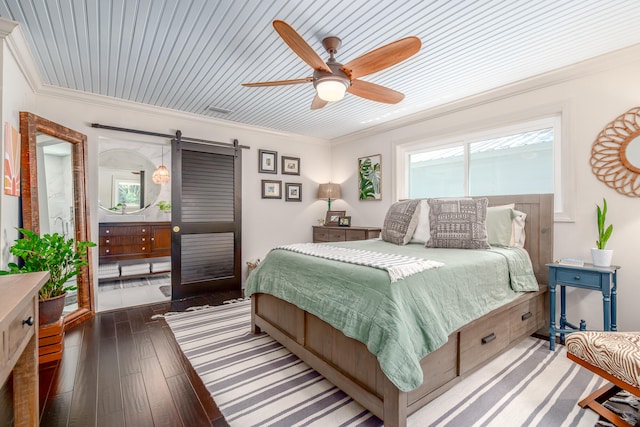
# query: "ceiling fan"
[332,79]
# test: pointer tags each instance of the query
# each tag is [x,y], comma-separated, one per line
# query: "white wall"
[17,96]
[588,96]
[265,223]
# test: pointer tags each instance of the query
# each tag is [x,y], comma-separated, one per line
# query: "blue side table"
[603,279]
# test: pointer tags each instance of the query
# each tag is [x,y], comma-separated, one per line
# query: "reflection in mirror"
[632,152]
[55,181]
[125,181]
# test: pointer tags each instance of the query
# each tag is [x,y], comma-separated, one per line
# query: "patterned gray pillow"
[458,223]
[401,221]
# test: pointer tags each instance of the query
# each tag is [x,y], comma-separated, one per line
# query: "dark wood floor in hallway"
[123,368]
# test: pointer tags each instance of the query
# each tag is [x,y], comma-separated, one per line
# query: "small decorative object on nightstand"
[591,277]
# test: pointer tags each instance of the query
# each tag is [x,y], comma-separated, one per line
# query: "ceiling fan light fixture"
[331,89]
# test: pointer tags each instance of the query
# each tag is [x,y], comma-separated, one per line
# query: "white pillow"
[518,236]
[423,230]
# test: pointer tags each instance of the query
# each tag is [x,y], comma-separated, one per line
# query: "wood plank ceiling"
[191,55]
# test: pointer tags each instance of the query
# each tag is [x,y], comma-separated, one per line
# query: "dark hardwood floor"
[123,368]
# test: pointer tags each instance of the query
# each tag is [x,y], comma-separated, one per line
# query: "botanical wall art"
[267,161]
[369,177]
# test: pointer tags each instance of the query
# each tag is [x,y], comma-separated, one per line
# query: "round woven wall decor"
[609,160]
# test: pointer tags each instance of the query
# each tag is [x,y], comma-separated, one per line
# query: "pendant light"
[161,174]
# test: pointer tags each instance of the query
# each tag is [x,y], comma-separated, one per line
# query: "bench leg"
[594,402]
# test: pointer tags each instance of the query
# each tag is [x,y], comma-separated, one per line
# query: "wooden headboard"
[538,228]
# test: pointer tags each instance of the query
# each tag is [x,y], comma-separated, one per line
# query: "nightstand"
[322,233]
[603,279]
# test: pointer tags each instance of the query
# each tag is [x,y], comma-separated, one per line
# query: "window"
[510,160]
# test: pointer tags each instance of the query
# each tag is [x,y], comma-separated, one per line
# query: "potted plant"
[61,257]
[602,257]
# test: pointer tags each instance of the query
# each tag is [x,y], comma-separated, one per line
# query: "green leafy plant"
[603,233]
[61,257]
[369,179]
[164,206]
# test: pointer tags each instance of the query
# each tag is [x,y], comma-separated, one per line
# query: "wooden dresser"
[18,343]
[134,240]
[323,233]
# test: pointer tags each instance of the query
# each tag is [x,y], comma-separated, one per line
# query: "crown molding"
[138,107]
[17,44]
[581,69]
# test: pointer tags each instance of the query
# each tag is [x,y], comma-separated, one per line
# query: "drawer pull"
[144,240]
[107,231]
[107,251]
[143,248]
[489,338]
[577,277]
[526,316]
[28,321]
[107,241]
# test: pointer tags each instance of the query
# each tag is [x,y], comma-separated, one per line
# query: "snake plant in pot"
[602,257]
[63,258]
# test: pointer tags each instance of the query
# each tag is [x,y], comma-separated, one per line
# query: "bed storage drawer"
[526,318]
[483,339]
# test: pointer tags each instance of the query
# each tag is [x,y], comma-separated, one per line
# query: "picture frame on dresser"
[333,217]
[267,161]
[344,221]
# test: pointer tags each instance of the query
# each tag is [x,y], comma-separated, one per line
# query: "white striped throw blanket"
[398,266]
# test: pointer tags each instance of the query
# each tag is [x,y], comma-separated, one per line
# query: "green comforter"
[399,322]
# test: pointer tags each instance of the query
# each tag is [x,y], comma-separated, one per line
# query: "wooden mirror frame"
[609,161]
[30,125]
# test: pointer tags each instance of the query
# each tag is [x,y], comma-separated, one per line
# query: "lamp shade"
[329,191]
[160,175]
[331,90]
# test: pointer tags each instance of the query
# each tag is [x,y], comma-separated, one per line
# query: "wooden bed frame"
[350,366]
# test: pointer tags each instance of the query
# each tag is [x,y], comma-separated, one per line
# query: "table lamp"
[329,191]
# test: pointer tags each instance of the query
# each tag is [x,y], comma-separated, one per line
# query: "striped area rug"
[255,381]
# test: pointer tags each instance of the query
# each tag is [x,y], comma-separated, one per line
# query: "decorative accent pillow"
[500,225]
[423,231]
[458,223]
[401,221]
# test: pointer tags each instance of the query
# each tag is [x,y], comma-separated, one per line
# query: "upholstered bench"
[614,356]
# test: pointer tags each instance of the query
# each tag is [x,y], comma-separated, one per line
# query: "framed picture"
[344,221]
[369,177]
[333,217]
[267,161]
[291,165]
[271,189]
[293,192]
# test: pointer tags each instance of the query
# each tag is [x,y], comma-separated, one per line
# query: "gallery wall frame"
[293,192]
[271,189]
[267,161]
[290,165]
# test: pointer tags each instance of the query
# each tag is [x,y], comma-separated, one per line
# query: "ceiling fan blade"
[318,103]
[300,46]
[279,82]
[382,57]
[375,92]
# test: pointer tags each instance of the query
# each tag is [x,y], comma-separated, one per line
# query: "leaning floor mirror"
[54,199]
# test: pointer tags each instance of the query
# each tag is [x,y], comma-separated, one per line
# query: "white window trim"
[556,117]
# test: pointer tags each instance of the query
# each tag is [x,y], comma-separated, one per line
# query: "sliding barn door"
[205,219]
